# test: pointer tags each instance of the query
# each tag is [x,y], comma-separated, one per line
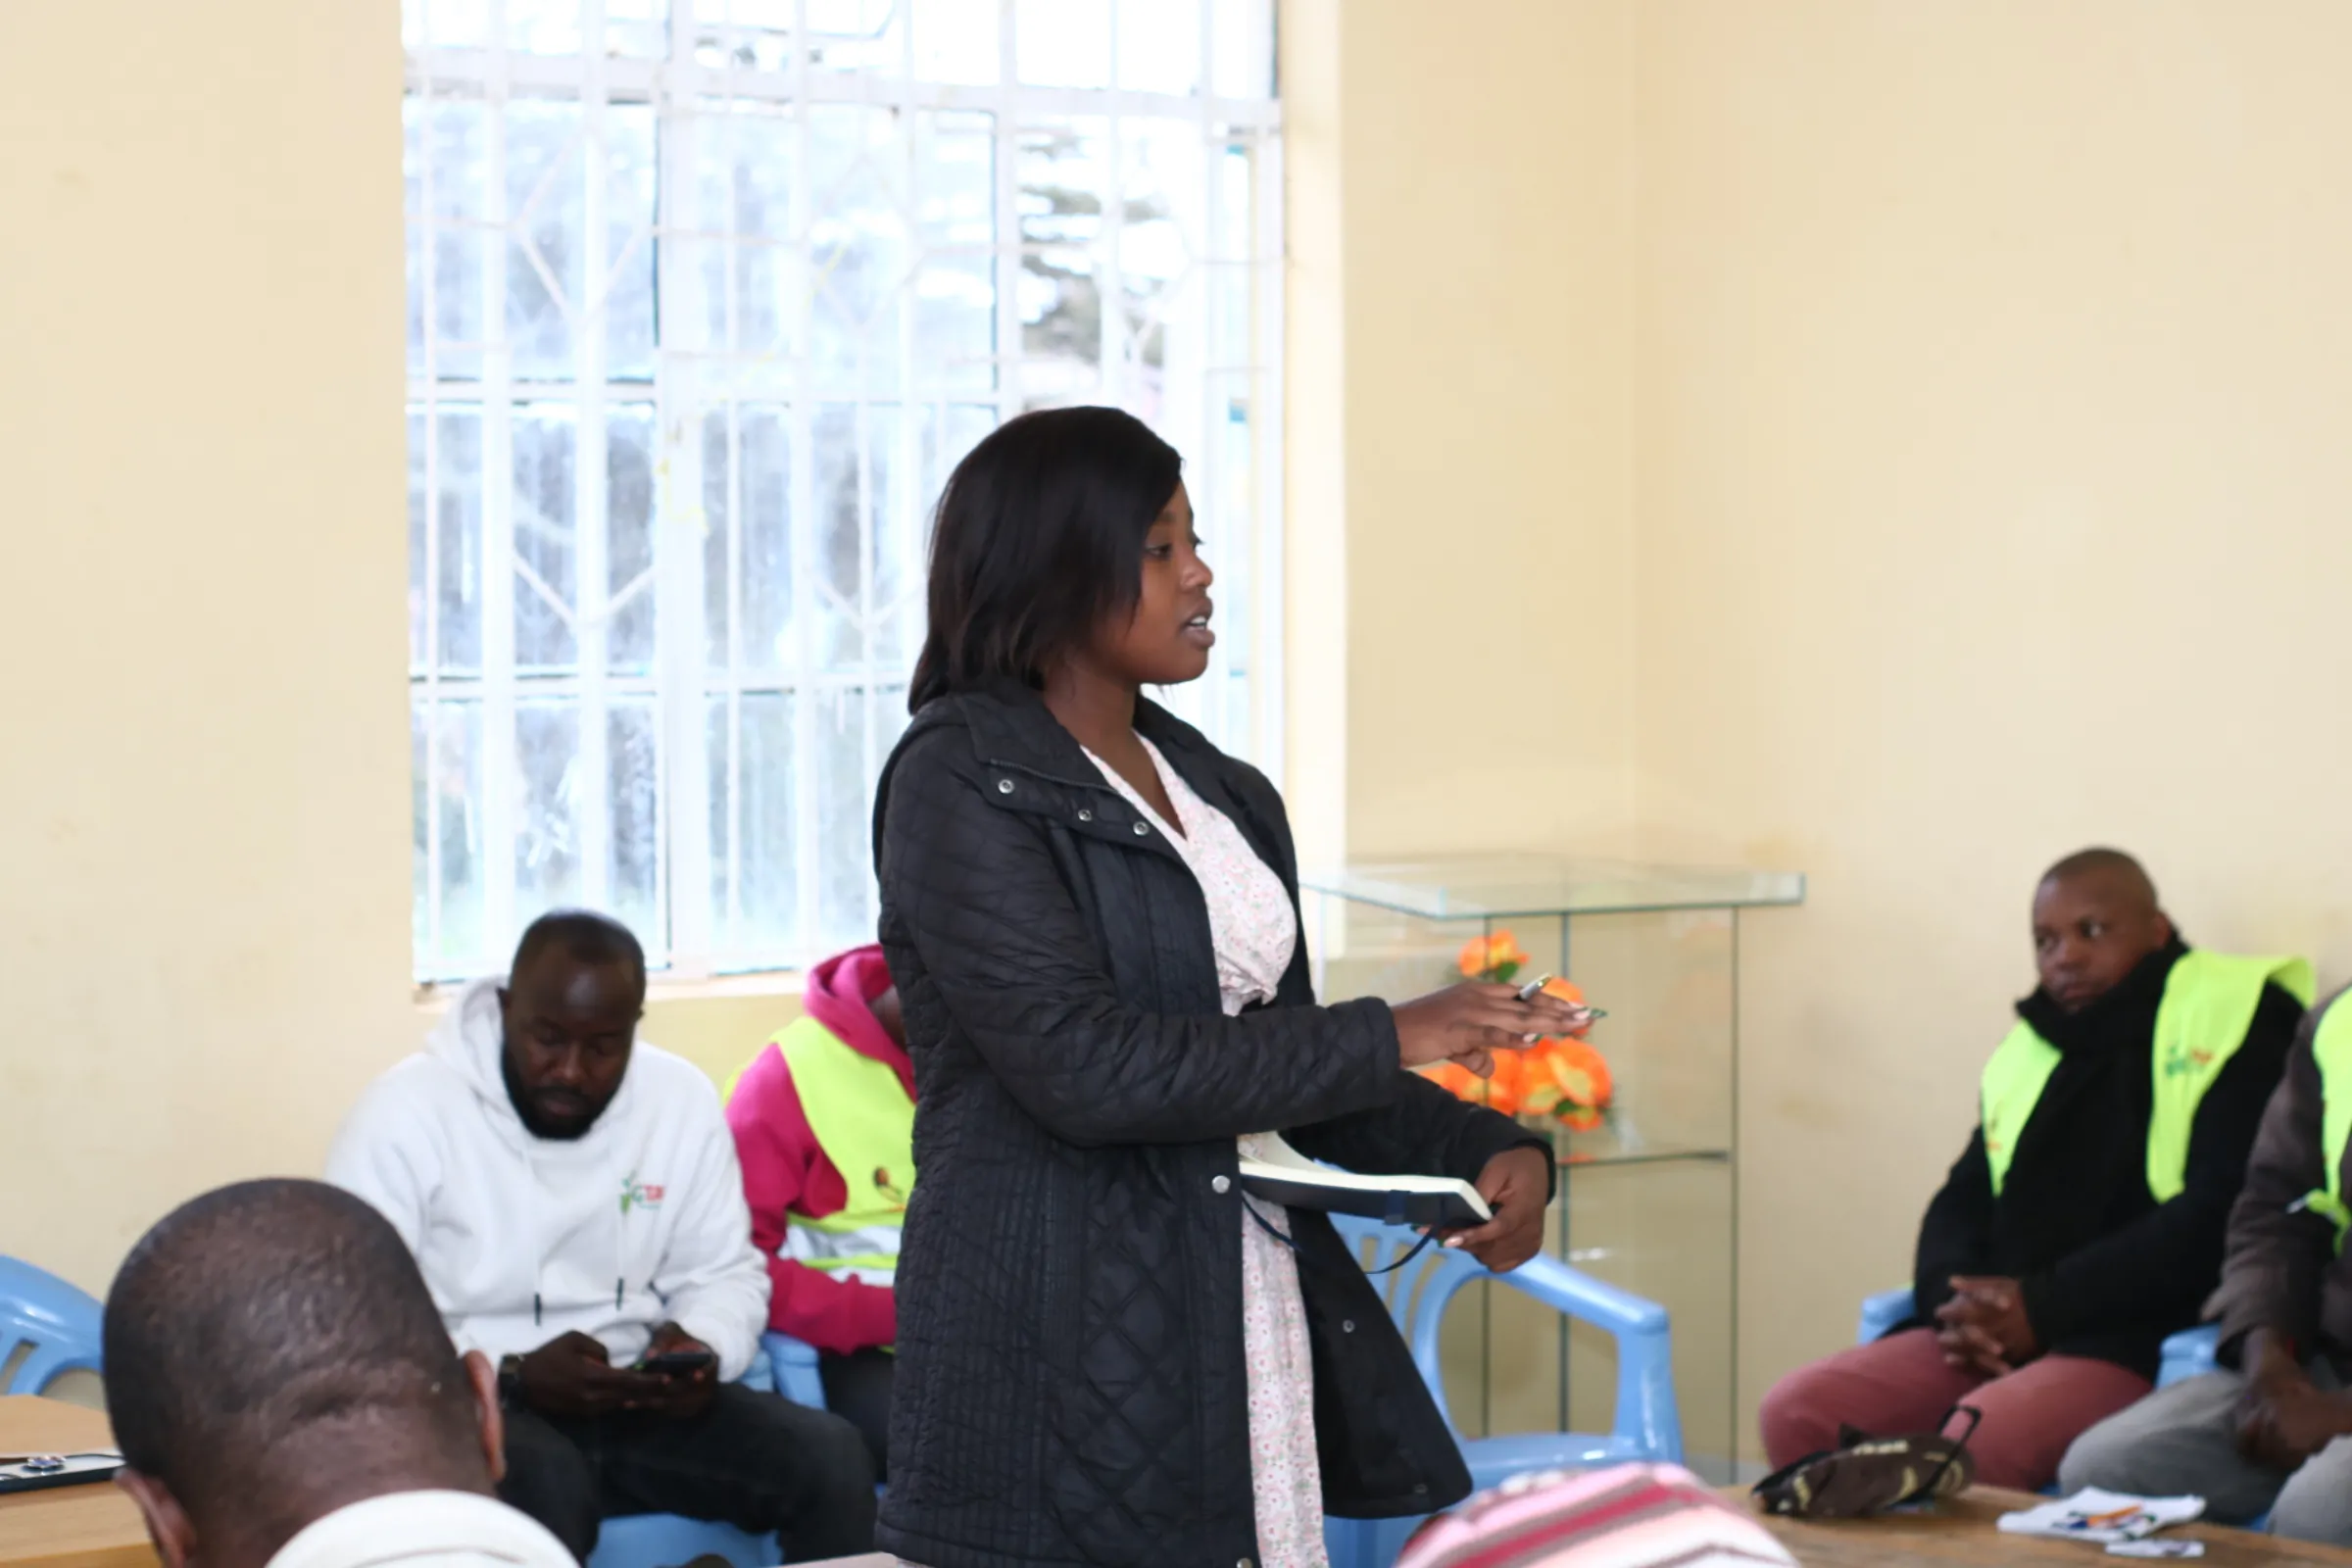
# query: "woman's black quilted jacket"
[1070,1385]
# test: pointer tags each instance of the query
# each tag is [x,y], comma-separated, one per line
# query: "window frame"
[681,680]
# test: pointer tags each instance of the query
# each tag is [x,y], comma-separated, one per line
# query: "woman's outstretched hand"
[1469,1022]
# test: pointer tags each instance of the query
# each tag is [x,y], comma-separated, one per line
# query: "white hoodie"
[424,1530]
[640,1222]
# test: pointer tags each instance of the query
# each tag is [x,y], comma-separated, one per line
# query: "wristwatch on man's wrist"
[509,1379]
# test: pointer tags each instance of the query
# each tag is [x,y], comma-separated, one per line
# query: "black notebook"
[1280,1174]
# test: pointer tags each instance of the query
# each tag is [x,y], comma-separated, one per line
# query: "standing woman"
[1107,1354]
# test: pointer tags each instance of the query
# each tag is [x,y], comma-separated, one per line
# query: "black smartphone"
[678,1363]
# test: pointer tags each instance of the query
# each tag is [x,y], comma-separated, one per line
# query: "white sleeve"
[712,1280]
[391,1157]
[380,1154]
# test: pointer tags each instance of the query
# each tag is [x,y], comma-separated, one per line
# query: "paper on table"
[2092,1514]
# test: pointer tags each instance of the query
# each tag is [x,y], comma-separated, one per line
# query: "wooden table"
[1962,1531]
[89,1525]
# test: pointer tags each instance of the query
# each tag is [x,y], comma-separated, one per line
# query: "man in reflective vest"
[824,1127]
[2084,1221]
[2271,1431]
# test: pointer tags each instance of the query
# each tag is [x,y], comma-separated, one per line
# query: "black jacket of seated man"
[2105,1270]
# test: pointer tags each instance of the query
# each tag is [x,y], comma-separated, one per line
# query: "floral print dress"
[1255,933]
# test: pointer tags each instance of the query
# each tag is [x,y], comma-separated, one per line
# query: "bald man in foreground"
[2084,1221]
[283,1393]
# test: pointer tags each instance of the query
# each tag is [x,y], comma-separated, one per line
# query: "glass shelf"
[1498,888]
[1572,1160]
[1647,1200]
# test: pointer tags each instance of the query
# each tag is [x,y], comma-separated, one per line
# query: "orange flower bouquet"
[1497,958]
[1563,1079]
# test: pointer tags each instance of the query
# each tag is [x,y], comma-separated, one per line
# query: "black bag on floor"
[1866,1475]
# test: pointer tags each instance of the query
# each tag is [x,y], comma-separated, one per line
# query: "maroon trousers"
[1900,1385]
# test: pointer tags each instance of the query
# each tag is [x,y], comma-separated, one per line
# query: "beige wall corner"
[204,884]
[1994,368]
[1460,443]
[1314,433]
[719,1026]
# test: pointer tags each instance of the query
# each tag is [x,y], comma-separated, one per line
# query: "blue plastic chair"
[792,1367]
[1883,1315]
[665,1540]
[2188,1353]
[58,1321]
[1648,1424]
[2185,1355]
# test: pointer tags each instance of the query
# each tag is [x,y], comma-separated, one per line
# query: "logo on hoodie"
[635,1194]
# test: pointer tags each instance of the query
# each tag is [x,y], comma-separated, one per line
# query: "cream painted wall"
[1901,443]
[1460,433]
[1315,446]
[1994,361]
[204,874]
[719,1026]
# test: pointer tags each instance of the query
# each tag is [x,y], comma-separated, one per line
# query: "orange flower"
[1505,1092]
[1456,1079]
[1570,1080]
[1568,990]
[1483,956]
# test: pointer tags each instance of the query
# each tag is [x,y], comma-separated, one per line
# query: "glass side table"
[1650,1199]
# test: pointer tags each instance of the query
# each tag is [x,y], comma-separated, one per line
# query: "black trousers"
[755,1460]
[857,1389]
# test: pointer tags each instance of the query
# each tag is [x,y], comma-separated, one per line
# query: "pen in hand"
[1535,988]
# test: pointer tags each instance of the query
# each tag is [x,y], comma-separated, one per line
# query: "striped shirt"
[1629,1516]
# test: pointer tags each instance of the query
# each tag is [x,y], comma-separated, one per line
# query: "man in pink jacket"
[824,1127]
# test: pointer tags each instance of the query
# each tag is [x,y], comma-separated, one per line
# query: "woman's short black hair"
[1040,535]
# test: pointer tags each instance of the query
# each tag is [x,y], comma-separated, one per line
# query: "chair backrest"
[59,1322]
[1417,1294]
[1647,1424]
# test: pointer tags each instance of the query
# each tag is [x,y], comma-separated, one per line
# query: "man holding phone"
[572,1199]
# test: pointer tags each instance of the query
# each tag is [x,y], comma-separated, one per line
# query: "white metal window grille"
[706,296]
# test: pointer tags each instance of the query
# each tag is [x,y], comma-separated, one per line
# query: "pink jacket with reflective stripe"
[786,1173]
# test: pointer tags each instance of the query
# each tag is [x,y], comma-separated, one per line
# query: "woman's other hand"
[1517,1185]
[1468,1022]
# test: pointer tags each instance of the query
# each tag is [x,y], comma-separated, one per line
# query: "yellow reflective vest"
[2209,1001]
[863,1119]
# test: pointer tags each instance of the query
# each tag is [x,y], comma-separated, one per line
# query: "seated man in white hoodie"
[573,1200]
[284,1394]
